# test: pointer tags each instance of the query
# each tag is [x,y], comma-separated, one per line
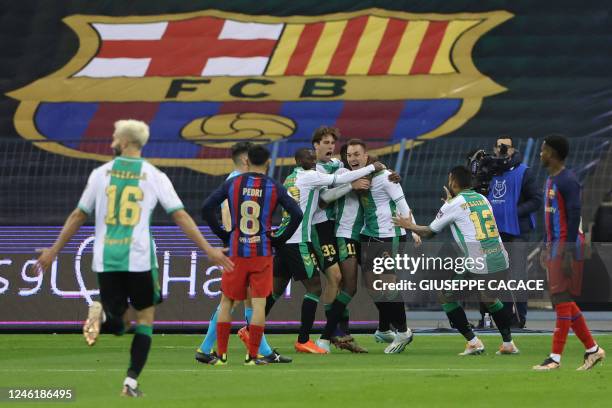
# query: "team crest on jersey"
[204,79]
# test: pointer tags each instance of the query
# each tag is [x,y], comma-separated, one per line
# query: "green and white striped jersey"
[329,213]
[349,214]
[473,226]
[123,193]
[304,186]
[384,200]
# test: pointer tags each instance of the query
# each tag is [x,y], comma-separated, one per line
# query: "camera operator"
[514,197]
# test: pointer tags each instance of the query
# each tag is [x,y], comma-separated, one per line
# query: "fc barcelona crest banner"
[205,79]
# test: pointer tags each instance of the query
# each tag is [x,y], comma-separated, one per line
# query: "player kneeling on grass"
[124,193]
[252,198]
[475,231]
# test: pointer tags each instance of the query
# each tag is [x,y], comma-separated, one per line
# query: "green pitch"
[429,373]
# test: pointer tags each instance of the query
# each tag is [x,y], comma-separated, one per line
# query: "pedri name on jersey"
[248,192]
[252,192]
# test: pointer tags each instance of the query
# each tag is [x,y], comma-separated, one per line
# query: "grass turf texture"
[429,373]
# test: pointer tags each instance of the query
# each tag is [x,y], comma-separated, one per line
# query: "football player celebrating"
[296,257]
[123,194]
[323,238]
[348,225]
[383,200]
[474,229]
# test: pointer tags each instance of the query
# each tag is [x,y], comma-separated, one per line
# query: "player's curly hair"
[323,131]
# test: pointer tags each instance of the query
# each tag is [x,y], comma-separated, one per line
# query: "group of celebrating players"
[336,213]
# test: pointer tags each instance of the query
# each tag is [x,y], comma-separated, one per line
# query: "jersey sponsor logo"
[499,189]
[250,240]
[121,241]
[204,79]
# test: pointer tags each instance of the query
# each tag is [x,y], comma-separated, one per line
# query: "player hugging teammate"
[297,259]
[338,224]
[328,239]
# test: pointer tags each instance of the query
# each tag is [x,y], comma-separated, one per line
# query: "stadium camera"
[484,166]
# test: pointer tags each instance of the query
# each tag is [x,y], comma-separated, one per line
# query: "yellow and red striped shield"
[205,77]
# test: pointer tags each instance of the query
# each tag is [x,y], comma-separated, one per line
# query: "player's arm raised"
[321,179]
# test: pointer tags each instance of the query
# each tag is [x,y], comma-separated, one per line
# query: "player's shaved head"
[305,158]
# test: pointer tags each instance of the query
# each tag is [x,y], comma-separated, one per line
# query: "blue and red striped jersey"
[252,200]
[562,209]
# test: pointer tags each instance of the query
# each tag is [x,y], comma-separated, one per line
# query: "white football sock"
[592,349]
[131,382]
